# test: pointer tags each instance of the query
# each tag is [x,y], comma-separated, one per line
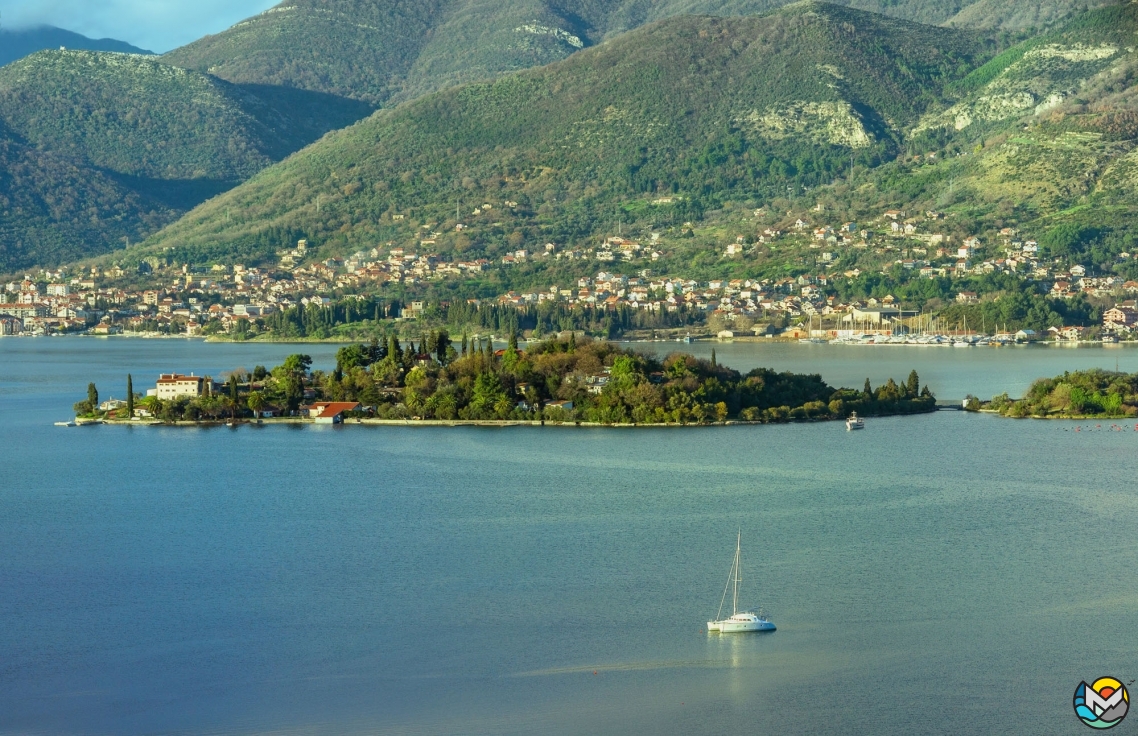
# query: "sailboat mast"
[738,574]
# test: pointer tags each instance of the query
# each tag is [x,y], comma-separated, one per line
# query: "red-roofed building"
[331,412]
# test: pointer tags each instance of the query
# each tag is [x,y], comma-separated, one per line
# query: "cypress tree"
[868,390]
[93,396]
[713,361]
[129,397]
[913,385]
[465,343]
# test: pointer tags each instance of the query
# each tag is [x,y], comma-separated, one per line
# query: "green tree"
[233,395]
[442,347]
[913,385]
[297,364]
[256,402]
[129,397]
[93,397]
[487,393]
[293,391]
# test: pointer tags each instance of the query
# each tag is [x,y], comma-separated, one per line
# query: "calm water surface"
[951,573]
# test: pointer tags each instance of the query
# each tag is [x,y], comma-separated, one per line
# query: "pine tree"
[573,341]
[465,343]
[129,397]
[713,361]
[868,390]
[913,385]
[514,340]
[442,346]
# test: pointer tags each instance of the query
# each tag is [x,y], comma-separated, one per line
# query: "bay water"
[949,573]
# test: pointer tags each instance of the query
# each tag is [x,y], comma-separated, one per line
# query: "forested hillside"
[398,49]
[52,210]
[172,137]
[697,109]
[701,110]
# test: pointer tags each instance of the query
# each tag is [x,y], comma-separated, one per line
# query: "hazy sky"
[158,25]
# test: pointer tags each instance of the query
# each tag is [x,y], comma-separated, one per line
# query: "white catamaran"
[740,620]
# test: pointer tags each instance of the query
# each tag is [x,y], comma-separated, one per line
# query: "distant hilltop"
[18,43]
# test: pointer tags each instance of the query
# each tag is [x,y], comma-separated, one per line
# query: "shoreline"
[498,423]
[750,340]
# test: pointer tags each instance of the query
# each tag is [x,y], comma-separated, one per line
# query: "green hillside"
[171,136]
[697,109]
[51,210]
[1019,14]
[1054,121]
[398,49]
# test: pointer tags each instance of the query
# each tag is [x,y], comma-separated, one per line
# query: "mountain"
[16,44]
[50,208]
[689,111]
[1019,14]
[162,139]
[1053,122]
[393,50]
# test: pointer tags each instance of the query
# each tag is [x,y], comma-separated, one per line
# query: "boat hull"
[740,627]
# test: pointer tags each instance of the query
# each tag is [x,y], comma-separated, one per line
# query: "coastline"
[746,339]
[496,423]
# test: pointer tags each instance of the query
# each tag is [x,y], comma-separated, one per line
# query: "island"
[571,380]
[1089,394]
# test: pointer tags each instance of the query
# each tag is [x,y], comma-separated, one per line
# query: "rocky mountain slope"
[691,110]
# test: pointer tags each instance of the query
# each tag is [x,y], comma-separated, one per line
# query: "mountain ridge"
[684,106]
[392,51]
[20,42]
[162,138]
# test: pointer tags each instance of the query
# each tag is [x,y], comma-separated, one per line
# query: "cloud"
[159,25]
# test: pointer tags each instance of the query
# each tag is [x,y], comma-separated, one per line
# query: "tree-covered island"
[557,380]
[1091,394]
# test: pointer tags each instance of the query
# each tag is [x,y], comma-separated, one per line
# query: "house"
[1120,317]
[176,386]
[563,405]
[1067,334]
[1025,336]
[967,297]
[331,412]
[11,326]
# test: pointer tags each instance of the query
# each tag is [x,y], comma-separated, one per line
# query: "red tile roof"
[331,408]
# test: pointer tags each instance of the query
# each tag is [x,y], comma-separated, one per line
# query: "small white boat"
[65,424]
[738,621]
[854,422]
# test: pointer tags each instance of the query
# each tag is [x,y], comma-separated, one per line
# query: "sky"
[156,25]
